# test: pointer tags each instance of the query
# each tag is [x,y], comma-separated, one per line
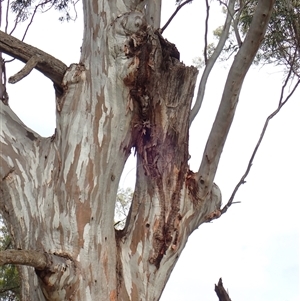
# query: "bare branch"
[174,14]
[234,82]
[235,23]
[274,113]
[32,258]
[51,67]
[16,22]
[221,292]
[206,30]
[3,92]
[6,16]
[235,27]
[32,62]
[33,14]
[211,62]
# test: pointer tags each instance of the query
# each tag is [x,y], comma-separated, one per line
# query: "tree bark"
[221,292]
[51,67]
[58,194]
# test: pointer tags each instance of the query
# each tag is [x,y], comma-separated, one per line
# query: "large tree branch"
[237,73]
[55,272]
[36,259]
[281,103]
[51,67]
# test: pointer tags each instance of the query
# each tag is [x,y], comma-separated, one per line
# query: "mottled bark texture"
[130,92]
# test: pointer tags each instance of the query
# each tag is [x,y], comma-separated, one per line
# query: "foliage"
[281,44]
[25,9]
[282,40]
[9,277]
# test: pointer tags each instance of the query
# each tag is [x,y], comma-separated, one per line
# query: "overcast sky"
[254,247]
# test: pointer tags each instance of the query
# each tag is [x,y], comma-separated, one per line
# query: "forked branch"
[59,272]
[51,67]
[32,63]
[174,14]
[206,31]
[274,113]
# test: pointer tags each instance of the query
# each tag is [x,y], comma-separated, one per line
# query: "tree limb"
[57,272]
[174,14]
[234,82]
[221,292]
[3,93]
[206,30]
[32,62]
[36,259]
[280,105]
[211,61]
[51,67]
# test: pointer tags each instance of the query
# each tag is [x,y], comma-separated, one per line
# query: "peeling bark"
[57,194]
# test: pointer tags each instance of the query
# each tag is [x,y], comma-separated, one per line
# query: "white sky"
[254,247]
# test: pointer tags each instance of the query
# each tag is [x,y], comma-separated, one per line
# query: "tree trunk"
[129,92]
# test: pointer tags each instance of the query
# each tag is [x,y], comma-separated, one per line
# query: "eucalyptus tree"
[129,92]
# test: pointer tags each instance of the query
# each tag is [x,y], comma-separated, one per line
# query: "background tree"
[129,91]
[123,202]
[9,278]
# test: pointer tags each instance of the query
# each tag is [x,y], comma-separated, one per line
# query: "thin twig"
[0,13]
[16,23]
[34,12]
[236,30]
[206,30]
[211,62]
[280,105]
[74,7]
[6,16]
[174,14]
